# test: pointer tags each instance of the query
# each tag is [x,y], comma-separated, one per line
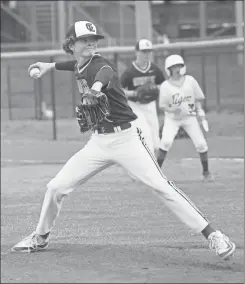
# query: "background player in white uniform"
[180,97]
[141,72]
[113,141]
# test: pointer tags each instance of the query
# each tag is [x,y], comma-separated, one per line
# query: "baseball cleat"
[32,243]
[207,177]
[222,245]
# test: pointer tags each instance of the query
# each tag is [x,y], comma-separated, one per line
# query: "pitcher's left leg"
[142,164]
[193,129]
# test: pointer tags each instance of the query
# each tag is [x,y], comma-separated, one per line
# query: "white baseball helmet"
[172,60]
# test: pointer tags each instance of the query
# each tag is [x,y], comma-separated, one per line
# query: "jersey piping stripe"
[149,152]
[105,66]
[171,183]
[84,67]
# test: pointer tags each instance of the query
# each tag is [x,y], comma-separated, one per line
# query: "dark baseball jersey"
[85,75]
[134,76]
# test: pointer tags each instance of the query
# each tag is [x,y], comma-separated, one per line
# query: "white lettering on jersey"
[82,86]
[139,81]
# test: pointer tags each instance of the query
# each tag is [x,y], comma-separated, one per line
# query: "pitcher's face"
[84,47]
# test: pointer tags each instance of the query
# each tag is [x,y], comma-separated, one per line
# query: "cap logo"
[90,27]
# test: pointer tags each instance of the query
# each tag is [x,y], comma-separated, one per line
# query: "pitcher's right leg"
[78,169]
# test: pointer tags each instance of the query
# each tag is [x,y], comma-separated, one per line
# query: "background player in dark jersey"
[141,72]
[114,141]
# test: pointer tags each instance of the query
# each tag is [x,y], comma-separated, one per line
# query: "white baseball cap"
[83,29]
[144,44]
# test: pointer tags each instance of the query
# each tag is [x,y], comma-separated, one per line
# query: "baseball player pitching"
[180,98]
[104,110]
[141,82]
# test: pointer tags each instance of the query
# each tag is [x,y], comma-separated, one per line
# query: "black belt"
[112,129]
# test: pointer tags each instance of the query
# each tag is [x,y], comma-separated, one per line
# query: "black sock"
[45,236]
[204,161]
[161,157]
[207,231]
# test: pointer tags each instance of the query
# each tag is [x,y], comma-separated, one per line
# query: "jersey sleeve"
[65,65]
[159,76]
[104,75]
[198,93]
[101,70]
[125,79]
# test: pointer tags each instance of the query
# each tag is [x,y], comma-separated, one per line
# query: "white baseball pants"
[148,122]
[127,149]
[190,125]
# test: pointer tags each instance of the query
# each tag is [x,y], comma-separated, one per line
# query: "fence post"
[40,98]
[73,91]
[9,92]
[203,59]
[35,97]
[217,82]
[182,53]
[115,61]
[53,102]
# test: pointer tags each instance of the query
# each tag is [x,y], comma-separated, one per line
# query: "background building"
[39,25]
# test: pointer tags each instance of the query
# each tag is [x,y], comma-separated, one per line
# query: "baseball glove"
[93,108]
[147,93]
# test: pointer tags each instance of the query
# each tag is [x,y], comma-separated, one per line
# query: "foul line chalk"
[43,162]
[233,159]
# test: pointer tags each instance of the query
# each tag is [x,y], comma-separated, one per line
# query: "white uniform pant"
[127,149]
[148,122]
[190,125]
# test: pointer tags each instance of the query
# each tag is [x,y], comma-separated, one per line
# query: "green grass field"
[113,229]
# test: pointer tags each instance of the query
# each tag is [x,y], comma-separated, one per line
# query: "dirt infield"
[114,230]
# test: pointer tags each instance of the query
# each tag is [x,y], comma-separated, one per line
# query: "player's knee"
[55,188]
[52,187]
[165,145]
[156,143]
[202,147]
